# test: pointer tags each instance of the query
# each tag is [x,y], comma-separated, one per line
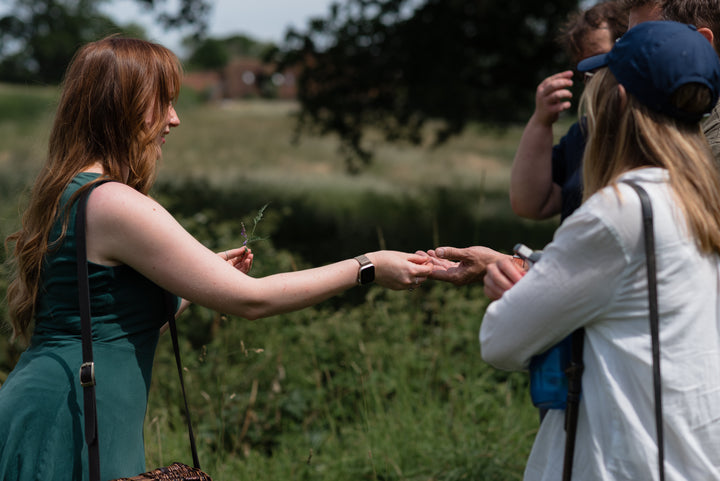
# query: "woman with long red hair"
[115,112]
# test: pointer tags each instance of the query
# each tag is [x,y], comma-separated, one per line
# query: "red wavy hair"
[109,88]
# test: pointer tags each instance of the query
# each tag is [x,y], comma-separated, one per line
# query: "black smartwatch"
[366,273]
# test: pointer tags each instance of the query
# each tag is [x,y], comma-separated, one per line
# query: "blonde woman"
[644,104]
[114,114]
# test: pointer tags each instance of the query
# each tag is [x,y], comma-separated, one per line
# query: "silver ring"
[227,257]
[417,281]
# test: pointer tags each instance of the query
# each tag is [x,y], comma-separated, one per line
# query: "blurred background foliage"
[399,66]
[39,37]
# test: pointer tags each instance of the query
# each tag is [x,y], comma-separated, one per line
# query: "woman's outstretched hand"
[400,270]
[240,258]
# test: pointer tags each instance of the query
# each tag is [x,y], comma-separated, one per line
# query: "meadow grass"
[235,140]
[371,385]
[393,388]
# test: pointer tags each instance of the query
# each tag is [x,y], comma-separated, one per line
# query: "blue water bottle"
[548,378]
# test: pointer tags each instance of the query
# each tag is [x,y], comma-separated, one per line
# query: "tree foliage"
[209,54]
[189,13]
[39,37]
[397,64]
[214,53]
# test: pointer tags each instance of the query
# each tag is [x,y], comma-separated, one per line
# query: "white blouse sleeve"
[573,283]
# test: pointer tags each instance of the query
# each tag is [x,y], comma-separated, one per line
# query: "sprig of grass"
[248,238]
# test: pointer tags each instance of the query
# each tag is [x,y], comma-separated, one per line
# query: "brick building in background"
[244,78]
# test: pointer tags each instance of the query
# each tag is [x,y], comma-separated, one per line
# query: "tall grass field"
[370,385]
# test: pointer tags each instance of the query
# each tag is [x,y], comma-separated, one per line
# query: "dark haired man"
[705,15]
[546,180]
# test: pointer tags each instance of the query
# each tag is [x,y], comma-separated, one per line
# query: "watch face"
[367,274]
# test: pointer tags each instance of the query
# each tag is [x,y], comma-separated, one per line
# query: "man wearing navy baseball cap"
[652,60]
[701,13]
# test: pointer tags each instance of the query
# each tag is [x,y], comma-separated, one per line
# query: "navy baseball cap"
[653,59]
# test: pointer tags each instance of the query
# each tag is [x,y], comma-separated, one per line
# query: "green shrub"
[393,388]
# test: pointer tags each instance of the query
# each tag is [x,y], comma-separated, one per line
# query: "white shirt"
[593,275]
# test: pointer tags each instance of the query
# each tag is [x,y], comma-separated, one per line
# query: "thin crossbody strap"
[572,406]
[169,300]
[87,369]
[571,416]
[647,215]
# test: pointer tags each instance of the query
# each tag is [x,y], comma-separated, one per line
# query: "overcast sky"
[264,20]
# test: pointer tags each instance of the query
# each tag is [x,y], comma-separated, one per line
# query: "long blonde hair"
[625,135]
[109,88]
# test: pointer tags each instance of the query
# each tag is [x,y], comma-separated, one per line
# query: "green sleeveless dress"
[41,402]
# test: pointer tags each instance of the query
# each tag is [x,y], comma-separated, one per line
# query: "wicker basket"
[174,472]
